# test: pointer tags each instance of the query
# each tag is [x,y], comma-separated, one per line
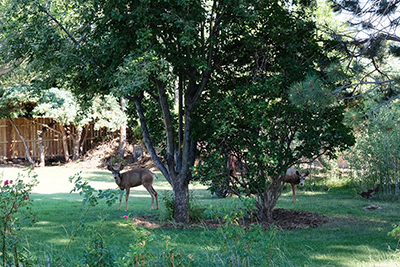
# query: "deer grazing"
[294,177]
[133,178]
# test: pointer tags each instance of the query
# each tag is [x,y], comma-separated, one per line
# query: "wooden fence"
[11,145]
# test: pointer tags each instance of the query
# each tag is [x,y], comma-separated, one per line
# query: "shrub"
[15,213]
[239,242]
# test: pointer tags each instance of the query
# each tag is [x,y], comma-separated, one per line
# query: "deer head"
[116,171]
[302,177]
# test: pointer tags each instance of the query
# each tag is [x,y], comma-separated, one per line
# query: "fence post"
[8,138]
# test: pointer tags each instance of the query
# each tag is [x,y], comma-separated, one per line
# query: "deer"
[133,178]
[294,177]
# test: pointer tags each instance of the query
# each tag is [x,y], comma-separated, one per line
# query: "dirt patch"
[282,218]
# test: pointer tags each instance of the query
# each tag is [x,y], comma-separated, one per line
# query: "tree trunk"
[268,200]
[41,148]
[27,153]
[181,200]
[41,145]
[83,139]
[179,181]
[76,144]
[65,143]
[122,135]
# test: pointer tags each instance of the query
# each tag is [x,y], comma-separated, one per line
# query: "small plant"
[95,250]
[174,256]
[139,254]
[239,241]
[395,232]
[15,213]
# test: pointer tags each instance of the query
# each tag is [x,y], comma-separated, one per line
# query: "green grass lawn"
[351,237]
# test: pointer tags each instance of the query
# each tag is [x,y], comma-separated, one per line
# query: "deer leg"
[155,195]
[127,197]
[148,188]
[120,199]
[294,193]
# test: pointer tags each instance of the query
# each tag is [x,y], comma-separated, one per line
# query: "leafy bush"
[15,213]
[375,159]
[239,242]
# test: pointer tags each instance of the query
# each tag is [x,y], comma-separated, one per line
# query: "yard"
[350,235]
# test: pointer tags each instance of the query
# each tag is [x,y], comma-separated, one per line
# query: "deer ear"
[298,173]
[307,173]
[121,167]
[109,168]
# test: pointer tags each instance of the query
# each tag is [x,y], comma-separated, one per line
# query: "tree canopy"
[248,55]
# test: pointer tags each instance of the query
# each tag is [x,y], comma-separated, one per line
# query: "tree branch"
[146,136]
[58,23]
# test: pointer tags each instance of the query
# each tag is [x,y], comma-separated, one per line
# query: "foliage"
[15,213]
[66,108]
[374,158]
[138,254]
[369,43]
[395,232]
[96,252]
[273,115]
[17,101]
[83,46]
[240,243]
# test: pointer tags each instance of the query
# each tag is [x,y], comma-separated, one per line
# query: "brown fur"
[292,177]
[133,178]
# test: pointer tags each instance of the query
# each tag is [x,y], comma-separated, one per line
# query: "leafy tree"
[275,110]
[370,45]
[14,102]
[375,157]
[62,106]
[83,44]
[147,50]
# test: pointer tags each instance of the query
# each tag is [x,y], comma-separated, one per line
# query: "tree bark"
[27,153]
[181,200]
[268,199]
[146,136]
[65,143]
[76,144]
[41,145]
[122,136]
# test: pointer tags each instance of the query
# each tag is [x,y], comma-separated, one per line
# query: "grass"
[351,237]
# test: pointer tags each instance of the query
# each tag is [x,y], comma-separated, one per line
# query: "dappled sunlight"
[43,223]
[361,255]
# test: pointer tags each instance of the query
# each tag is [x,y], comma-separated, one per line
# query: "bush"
[15,213]
[375,159]
[240,243]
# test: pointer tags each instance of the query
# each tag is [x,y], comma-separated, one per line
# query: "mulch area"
[282,218]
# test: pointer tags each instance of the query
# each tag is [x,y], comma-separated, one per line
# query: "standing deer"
[134,178]
[294,177]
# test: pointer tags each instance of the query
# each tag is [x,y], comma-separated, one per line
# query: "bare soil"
[99,157]
[282,218]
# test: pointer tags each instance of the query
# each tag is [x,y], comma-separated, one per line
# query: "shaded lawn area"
[351,237]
